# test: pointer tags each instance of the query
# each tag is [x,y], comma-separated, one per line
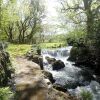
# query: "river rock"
[49,76]
[41,62]
[59,87]
[95,86]
[82,57]
[73,54]
[29,55]
[39,51]
[87,75]
[37,59]
[72,84]
[58,64]
[50,60]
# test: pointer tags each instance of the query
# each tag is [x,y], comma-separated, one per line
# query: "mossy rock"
[58,64]
[49,76]
[50,60]
[73,54]
[59,87]
[79,53]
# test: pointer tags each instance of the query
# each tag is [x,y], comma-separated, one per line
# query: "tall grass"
[86,95]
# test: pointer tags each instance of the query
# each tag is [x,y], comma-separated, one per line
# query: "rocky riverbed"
[74,78]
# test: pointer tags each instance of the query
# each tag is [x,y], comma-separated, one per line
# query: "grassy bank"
[18,49]
[52,45]
[21,49]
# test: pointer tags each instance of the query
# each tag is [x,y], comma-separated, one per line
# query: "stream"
[74,78]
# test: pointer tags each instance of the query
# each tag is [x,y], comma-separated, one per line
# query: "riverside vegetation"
[23,28]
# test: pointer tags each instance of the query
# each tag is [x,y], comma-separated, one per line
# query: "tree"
[9,17]
[20,20]
[23,26]
[36,15]
[30,20]
[87,12]
[83,12]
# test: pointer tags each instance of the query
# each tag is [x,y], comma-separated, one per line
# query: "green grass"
[18,49]
[52,45]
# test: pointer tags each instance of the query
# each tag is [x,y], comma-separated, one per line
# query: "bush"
[86,95]
[5,93]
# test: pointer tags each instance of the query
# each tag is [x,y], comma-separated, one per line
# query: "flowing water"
[74,78]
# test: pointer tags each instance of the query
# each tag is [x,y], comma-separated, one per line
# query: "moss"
[73,54]
[79,54]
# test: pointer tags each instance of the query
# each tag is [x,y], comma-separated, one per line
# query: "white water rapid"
[74,78]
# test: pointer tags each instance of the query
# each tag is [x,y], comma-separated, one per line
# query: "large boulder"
[59,87]
[58,64]
[73,54]
[81,56]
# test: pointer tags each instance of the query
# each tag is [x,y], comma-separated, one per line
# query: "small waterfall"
[69,74]
[73,77]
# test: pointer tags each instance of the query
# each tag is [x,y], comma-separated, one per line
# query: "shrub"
[5,93]
[86,95]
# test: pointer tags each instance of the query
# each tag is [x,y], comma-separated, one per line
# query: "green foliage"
[3,36]
[8,17]
[75,35]
[86,95]
[5,93]
[20,20]
[83,14]
[57,38]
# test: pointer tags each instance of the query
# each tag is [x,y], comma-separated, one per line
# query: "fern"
[86,95]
